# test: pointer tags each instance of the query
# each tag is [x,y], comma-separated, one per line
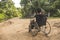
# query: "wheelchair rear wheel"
[46,28]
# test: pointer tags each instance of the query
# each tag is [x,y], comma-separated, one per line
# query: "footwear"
[38,30]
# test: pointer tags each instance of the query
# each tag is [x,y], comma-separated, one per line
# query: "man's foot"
[38,30]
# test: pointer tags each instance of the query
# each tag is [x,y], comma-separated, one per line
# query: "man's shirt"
[41,19]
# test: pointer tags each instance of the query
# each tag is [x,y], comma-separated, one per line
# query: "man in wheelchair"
[41,19]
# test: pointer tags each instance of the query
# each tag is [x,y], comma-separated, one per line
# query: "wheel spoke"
[46,28]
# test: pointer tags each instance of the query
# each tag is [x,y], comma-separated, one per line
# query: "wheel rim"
[46,28]
[34,32]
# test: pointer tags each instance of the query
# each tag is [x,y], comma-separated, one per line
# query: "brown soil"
[17,29]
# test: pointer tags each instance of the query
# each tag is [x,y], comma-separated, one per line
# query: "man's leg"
[39,28]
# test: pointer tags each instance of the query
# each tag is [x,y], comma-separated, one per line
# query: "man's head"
[38,10]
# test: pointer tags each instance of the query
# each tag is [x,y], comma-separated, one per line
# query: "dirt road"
[17,29]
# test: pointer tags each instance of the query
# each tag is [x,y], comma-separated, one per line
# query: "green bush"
[2,17]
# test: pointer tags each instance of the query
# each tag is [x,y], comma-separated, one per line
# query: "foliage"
[50,6]
[8,10]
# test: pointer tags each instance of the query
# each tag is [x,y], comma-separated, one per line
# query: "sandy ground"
[17,29]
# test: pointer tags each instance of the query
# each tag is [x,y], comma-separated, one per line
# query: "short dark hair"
[38,10]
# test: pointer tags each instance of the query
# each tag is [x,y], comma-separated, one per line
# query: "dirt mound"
[57,24]
[17,29]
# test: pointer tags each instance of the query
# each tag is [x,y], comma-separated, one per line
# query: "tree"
[50,6]
[8,10]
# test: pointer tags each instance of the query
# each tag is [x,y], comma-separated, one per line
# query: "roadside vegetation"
[28,8]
